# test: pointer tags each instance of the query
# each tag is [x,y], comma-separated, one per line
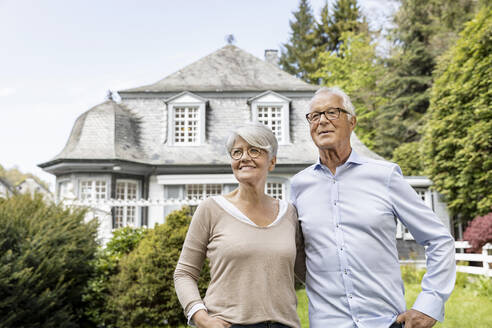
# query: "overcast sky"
[59,58]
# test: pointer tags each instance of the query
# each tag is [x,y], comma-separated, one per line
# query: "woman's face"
[247,168]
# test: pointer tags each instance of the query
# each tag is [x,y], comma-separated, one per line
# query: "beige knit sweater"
[251,267]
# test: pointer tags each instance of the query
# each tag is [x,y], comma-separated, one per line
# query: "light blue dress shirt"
[349,224]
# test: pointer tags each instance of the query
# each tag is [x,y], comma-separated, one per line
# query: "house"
[31,186]
[165,140]
[6,189]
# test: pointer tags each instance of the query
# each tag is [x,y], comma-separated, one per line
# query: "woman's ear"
[273,161]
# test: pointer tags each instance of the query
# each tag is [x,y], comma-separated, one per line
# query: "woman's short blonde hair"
[257,135]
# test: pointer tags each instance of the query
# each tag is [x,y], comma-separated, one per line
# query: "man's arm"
[429,231]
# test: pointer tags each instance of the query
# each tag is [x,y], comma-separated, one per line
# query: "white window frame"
[137,209]
[204,193]
[93,192]
[186,99]
[223,179]
[59,195]
[282,186]
[273,99]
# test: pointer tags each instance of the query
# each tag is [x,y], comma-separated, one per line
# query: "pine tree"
[346,17]
[424,30]
[298,56]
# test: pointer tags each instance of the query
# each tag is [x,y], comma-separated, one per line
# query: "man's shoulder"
[303,173]
[378,164]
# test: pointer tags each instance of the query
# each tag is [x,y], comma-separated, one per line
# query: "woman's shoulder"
[206,208]
[290,211]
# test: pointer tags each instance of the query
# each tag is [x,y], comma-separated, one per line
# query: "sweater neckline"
[237,214]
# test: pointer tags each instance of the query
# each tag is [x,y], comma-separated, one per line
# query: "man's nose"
[324,120]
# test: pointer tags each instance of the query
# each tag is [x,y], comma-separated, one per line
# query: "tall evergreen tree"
[424,30]
[298,55]
[346,17]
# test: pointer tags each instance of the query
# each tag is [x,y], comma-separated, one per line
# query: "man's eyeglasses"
[253,152]
[330,114]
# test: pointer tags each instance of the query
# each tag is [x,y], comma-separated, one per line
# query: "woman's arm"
[191,261]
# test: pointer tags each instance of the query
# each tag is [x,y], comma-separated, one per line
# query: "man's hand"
[416,319]
[203,320]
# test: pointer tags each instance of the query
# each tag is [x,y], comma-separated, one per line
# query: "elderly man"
[347,207]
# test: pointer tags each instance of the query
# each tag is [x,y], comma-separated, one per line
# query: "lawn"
[464,309]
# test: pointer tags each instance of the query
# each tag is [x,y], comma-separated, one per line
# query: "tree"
[479,232]
[424,30]
[15,176]
[409,158]
[298,55]
[355,69]
[106,266]
[458,133]
[45,256]
[346,17]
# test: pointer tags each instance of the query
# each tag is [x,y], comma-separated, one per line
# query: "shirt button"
[341,248]
[350,295]
[338,226]
[345,271]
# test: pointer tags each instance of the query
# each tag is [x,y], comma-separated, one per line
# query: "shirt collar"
[353,158]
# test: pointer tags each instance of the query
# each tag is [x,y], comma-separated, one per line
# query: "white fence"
[483,257]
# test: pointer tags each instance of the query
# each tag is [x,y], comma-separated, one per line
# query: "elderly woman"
[250,240]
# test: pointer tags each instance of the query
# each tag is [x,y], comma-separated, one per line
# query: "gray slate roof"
[228,69]
[135,130]
[106,131]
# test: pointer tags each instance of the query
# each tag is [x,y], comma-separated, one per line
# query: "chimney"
[271,56]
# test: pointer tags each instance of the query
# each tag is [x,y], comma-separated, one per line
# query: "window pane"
[274,190]
[186,124]
[201,191]
[86,190]
[126,215]
[271,116]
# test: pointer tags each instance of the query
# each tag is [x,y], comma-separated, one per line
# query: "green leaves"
[45,255]
[458,134]
[142,292]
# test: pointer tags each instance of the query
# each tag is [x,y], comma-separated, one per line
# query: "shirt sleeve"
[191,261]
[194,309]
[428,230]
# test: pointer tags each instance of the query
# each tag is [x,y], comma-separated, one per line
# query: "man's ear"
[353,122]
[273,161]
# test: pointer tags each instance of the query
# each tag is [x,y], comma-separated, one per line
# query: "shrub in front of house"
[105,265]
[479,232]
[143,292]
[45,255]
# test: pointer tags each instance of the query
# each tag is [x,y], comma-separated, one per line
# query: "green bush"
[143,292]
[45,255]
[97,292]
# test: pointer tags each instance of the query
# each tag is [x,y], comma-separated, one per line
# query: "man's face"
[332,134]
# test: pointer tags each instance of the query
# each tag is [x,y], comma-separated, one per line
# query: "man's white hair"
[257,135]
[347,103]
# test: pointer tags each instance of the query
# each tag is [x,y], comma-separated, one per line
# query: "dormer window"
[186,116]
[272,109]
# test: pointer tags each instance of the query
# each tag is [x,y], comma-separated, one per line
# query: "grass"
[466,308]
